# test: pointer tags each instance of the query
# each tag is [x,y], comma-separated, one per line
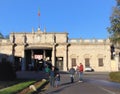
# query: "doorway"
[32,56]
[59,63]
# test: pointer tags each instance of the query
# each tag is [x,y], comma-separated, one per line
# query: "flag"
[38,12]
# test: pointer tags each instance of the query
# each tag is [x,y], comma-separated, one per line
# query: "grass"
[115,76]
[16,88]
[38,85]
[4,84]
[21,86]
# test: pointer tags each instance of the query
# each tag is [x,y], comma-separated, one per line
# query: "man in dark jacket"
[72,73]
[52,76]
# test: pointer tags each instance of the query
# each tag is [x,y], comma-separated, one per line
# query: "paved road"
[94,83]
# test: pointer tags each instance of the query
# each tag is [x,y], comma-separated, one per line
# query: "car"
[89,69]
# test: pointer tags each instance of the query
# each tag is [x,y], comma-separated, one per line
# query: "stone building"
[23,48]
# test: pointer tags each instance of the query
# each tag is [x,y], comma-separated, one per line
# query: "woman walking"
[72,73]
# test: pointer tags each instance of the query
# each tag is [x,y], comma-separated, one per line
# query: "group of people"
[54,75]
[79,71]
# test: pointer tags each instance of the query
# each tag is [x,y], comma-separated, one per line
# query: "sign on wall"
[39,57]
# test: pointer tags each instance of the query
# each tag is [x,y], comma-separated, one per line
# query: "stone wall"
[64,47]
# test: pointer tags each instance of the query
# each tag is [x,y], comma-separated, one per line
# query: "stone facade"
[58,49]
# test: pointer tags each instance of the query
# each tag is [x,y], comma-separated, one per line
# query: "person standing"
[57,79]
[72,73]
[52,76]
[80,70]
[47,71]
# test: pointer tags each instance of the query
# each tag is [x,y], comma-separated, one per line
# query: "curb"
[34,88]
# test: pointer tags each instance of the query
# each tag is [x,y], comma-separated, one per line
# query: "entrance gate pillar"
[65,63]
[44,55]
[32,58]
[53,55]
[23,65]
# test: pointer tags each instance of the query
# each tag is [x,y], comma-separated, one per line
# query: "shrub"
[115,76]
[7,72]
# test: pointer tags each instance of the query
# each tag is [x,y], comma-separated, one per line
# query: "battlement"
[89,41]
[4,41]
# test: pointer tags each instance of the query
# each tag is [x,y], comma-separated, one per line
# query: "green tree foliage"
[6,72]
[4,37]
[114,29]
[1,36]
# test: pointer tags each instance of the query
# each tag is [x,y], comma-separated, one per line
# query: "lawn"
[4,84]
[12,87]
[21,86]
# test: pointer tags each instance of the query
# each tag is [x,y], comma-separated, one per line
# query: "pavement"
[93,83]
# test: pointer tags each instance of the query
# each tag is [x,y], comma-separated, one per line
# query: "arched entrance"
[35,57]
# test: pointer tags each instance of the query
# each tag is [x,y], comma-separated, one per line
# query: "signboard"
[39,57]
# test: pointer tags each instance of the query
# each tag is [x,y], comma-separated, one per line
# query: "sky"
[85,19]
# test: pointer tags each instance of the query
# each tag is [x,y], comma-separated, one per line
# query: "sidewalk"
[92,84]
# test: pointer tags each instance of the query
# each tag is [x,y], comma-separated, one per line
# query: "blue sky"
[80,18]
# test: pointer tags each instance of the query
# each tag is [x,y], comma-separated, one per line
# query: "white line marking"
[108,90]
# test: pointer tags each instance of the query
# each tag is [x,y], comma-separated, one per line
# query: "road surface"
[94,83]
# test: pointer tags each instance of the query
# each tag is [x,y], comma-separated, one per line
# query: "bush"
[7,72]
[115,76]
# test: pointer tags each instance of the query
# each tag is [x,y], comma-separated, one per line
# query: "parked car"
[89,69]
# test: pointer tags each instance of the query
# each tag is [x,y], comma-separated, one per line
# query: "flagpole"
[38,18]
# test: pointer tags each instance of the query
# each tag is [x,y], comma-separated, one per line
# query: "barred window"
[73,62]
[87,62]
[100,62]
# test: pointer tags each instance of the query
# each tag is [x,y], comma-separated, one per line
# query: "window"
[100,62]
[112,52]
[59,63]
[87,62]
[73,62]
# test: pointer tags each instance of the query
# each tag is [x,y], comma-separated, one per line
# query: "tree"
[114,29]
[1,36]
[7,73]
[6,37]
